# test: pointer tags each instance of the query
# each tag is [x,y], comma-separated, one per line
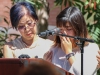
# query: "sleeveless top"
[38,48]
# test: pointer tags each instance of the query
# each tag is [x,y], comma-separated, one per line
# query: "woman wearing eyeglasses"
[24,18]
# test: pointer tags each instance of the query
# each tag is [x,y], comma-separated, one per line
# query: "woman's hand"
[98,59]
[66,44]
[48,56]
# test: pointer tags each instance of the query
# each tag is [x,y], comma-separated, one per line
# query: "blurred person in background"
[12,34]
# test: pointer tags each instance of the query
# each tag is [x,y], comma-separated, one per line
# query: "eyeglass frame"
[24,26]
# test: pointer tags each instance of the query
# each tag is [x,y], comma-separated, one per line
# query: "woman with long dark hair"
[65,52]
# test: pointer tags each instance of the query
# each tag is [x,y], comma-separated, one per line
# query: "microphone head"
[42,34]
[54,31]
[49,32]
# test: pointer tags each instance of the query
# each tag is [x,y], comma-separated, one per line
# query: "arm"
[66,45]
[7,52]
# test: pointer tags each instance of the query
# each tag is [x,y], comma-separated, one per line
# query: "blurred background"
[47,10]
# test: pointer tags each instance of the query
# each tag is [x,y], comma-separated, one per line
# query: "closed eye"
[20,27]
[29,24]
[69,29]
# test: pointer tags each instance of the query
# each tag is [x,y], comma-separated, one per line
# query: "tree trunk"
[43,15]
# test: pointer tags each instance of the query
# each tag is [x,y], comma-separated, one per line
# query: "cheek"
[71,33]
[22,33]
[35,29]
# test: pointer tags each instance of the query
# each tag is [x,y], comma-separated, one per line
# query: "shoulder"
[10,45]
[16,40]
[45,41]
[8,50]
[93,45]
[91,49]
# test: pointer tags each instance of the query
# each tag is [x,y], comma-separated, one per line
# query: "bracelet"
[69,55]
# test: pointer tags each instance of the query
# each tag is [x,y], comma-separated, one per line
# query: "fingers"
[98,59]
[64,38]
[99,51]
[98,56]
[48,56]
[67,38]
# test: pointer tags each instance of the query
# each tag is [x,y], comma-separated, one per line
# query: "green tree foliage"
[3,36]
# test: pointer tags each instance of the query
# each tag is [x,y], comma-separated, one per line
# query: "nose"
[27,27]
[62,31]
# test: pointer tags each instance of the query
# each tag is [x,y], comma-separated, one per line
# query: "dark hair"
[41,67]
[74,17]
[17,12]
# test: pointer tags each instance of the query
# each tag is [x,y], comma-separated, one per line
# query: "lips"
[28,34]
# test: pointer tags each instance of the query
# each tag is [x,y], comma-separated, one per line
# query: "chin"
[31,36]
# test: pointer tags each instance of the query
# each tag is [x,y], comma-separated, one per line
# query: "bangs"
[61,22]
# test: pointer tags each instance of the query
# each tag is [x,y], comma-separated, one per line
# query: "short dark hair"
[16,12]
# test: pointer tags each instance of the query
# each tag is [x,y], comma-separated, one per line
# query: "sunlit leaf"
[89,15]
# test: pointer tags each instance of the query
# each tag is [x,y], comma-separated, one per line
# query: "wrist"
[69,55]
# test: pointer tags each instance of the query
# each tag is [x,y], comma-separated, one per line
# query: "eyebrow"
[26,22]
[68,26]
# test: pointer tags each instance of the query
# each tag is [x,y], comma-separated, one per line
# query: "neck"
[29,41]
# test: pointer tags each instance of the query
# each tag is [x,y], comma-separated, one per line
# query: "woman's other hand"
[98,59]
[48,56]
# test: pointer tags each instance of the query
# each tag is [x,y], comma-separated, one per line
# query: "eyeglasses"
[30,24]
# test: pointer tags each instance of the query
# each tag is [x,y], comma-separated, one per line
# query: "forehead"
[25,18]
[67,25]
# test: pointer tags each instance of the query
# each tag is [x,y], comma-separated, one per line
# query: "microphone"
[49,32]
[24,56]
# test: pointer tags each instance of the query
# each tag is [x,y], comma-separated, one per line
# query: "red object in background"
[10,66]
[95,5]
